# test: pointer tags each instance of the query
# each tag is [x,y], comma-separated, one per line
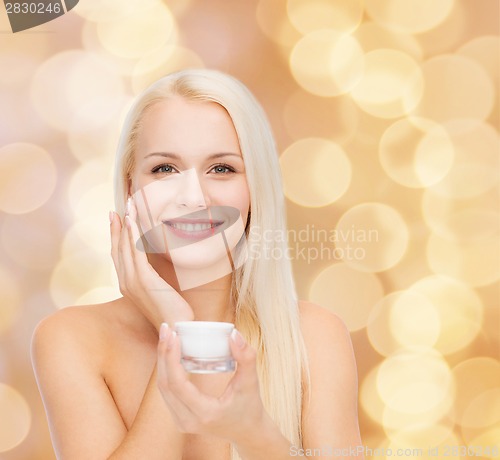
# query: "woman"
[110,377]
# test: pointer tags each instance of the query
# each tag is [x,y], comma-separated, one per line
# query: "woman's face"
[189,183]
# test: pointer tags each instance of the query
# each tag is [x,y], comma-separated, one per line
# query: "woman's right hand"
[138,280]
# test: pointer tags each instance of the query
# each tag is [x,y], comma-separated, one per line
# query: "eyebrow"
[178,157]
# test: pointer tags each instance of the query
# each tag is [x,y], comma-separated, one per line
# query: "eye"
[163,169]
[222,169]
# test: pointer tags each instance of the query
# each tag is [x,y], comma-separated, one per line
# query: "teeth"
[191,227]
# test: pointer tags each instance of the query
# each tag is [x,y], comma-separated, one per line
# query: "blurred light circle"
[462,220]
[459,307]
[394,421]
[21,68]
[89,143]
[476,262]
[475,378]
[69,82]
[91,216]
[410,16]
[348,293]
[414,320]
[327,63]
[414,383]
[28,176]
[487,438]
[92,117]
[484,410]
[18,117]
[78,273]
[416,152]
[98,295]
[391,85]
[316,172]
[310,15]
[161,62]
[15,421]
[369,397]
[138,31]
[418,441]
[89,175]
[273,21]
[448,80]
[99,10]
[307,115]
[31,240]
[92,43]
[477,161]
[11,300]
[485,51]
[371,36]
[379,328]
[372,236]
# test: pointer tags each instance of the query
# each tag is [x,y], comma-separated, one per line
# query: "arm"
[83,418]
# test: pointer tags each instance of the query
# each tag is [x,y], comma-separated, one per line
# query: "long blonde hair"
[263,289]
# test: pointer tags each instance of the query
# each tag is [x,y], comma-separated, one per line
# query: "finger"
[135,241]
[246,358]
[180,385]
[181,412]
[115,229]
[125,254]
[139,254]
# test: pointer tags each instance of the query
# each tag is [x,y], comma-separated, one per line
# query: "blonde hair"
[263,289]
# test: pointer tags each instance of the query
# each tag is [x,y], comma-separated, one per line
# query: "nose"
[189,192]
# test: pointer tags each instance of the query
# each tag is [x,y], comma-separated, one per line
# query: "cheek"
[235,195]
[151,200]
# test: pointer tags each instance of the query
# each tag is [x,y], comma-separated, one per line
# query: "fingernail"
[171,339]
[237,338]
[163,331]
[111,215]
[127,221]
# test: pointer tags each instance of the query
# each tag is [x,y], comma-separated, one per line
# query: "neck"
[210,301]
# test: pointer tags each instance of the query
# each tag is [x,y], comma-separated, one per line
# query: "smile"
[193,227]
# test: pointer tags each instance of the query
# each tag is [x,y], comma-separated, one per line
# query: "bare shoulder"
[88,337]
[81,323]
[79,329]
[328,344]
[318,323]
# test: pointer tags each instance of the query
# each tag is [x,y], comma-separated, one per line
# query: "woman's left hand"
[234,416]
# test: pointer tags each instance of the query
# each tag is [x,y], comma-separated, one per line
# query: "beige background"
[385,114]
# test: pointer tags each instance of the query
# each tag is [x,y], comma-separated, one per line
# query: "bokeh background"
[386,116]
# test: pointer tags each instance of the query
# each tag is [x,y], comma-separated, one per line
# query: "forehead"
[187,127]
